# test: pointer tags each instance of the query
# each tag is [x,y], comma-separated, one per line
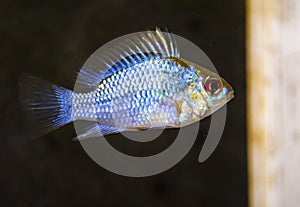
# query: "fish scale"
[156,78]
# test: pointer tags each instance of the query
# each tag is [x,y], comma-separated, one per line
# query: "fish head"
[208,92]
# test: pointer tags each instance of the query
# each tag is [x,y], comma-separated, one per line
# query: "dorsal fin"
[124,53]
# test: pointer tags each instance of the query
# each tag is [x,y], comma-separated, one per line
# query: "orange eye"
[212,85]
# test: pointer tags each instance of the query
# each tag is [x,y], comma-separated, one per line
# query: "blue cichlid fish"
[147,85]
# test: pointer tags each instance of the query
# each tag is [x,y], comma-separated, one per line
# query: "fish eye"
[213,85]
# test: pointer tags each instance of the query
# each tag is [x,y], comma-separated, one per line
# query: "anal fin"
[96,130]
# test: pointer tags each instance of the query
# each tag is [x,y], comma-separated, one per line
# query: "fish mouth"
[229,95]
[230,92]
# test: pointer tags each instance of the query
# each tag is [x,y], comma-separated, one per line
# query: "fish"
[141,83]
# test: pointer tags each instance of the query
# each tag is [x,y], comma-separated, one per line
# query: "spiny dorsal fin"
[126,53]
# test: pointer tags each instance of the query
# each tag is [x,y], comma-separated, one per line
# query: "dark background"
[52,40]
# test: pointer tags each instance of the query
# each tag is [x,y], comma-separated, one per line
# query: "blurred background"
[52,40]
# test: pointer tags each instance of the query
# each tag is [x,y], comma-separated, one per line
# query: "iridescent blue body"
[147,85]
[138,96]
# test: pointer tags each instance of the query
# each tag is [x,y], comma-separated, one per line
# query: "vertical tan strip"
[273,102]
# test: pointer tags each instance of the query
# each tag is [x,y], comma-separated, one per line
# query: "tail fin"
[50,105]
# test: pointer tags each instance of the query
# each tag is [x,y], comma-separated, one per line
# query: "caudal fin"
[49,105]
